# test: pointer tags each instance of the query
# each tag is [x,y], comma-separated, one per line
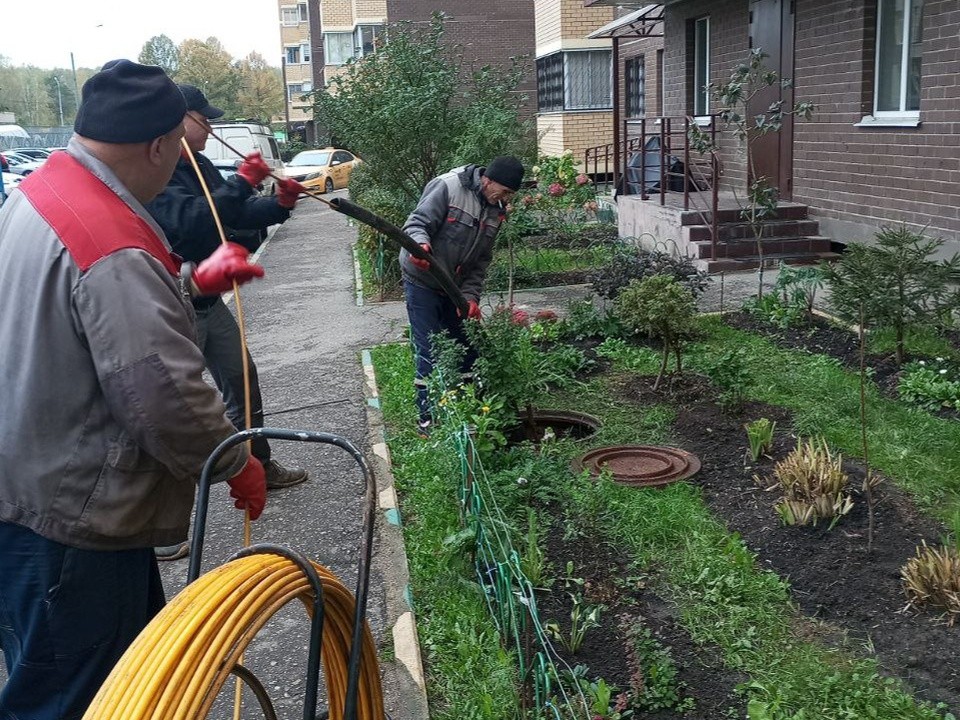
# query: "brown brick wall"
[489,33]
[853,178]
[574,131]
[871,176]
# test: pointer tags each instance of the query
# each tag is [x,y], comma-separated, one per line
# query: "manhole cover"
[640,465]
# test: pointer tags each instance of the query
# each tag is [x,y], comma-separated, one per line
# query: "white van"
[244,137]
[13,131]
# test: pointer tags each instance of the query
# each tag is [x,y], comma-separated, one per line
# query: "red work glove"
[249,488]
[473,311]
[417,262]
[289,191]
[253,169]
[218,272]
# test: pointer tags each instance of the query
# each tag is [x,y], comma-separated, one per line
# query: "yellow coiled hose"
[177,665]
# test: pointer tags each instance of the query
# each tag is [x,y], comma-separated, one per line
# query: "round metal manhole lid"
[640,465]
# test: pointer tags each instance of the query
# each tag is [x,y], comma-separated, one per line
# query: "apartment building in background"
[320,36]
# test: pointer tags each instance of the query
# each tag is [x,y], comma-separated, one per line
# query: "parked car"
[21,164]
[324,170]
[245,138]
[33,152]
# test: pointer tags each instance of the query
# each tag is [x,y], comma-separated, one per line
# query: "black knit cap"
[129,103]
[506,170]
[197,101]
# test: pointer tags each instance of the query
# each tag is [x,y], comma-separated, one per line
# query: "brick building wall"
[572,131]
[489,33]
[853,178]
[729,31]
[547,19]
[857,178]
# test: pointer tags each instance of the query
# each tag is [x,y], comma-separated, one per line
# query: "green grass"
[920,452]
[469,675]
[918,341]
[722,597]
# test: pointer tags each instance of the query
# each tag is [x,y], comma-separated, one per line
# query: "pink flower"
[545,315]
[591,205]
[556,189]
[520,317]
[529,200]
[538,197]
[582,179]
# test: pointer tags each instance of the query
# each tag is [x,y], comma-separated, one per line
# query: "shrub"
[730,374]
[631,263]
[662,308]
[814,485]
[897,283]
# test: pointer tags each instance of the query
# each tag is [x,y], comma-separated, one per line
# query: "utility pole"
[76,88]
[286,97]
[59,98]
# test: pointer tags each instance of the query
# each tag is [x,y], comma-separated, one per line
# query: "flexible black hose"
[391,231]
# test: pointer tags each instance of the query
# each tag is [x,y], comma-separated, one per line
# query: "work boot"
[172,552]
[280,477]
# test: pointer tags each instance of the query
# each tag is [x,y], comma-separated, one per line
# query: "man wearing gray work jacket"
[107,420]
[456,221]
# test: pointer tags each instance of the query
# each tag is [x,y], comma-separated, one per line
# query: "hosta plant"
[813,484]
[932,578]
[932,385]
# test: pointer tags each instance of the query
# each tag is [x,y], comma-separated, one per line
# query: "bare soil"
[629,602]
[833,576]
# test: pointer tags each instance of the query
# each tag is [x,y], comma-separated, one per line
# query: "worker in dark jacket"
[185,216]
[107,421]
[457,220]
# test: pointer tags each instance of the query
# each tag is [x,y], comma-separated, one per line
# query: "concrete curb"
[357,277]
[408,668]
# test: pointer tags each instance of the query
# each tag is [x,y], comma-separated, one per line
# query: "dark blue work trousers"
[218,336]
[66,617]
[429,312]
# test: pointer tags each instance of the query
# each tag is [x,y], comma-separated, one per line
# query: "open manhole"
[640,465]
[563,423]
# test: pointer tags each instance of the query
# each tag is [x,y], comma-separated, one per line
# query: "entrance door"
[771,155]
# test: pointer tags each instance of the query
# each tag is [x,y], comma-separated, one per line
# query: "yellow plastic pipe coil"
[177,665]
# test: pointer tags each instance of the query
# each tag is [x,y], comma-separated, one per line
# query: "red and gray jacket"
[107,420]
[460,226]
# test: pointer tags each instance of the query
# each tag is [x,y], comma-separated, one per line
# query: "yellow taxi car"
[324,170]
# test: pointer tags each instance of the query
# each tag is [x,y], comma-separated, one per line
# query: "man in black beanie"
[456,221]
[184,214]
[107,420]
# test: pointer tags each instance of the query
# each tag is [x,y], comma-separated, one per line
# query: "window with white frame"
[701,66]
[293,55]
[899,57]
[294,91]
[369,38]
[337,47]
[588,80]
[635,81]
[290,15]
[305,53]
[302,12]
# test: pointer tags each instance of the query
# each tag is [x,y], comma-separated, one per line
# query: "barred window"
[587,80]
[636,80]
[550,83]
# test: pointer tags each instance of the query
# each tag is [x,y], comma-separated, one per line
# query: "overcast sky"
[95,31]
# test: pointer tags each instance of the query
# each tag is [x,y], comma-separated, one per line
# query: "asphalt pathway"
[305,333]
